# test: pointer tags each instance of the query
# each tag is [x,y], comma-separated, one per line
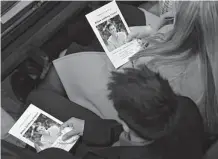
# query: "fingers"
[70,134]
[64,125]
[71,140]
[167,14]
[139,32]
[68,123]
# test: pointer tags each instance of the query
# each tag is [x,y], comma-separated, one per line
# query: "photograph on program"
[113,32]
[44,131]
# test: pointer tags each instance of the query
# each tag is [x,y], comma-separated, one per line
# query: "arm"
[146,30]
[56,153]
[98,132]
[101,132]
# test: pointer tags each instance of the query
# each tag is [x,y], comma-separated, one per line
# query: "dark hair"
[144,100]
[195,34]
[35,129]
[109,25]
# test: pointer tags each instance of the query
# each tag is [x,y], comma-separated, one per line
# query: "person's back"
[157,123]
[186,140]
[192,72]
[169,124]
[188,57]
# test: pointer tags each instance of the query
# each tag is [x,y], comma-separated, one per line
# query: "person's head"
[38,123]
[195,33]
[144,101]
[41,130]
[112,29]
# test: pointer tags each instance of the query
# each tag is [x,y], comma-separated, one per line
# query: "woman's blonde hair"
[195,33]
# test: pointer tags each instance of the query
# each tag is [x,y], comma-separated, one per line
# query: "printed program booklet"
[112,30]
[37,126]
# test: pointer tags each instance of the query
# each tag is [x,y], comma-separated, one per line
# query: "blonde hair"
[195,33]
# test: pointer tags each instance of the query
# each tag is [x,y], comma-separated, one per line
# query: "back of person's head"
[144,101]
[195,33]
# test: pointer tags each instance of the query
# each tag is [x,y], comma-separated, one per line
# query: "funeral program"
[37,126]
[112,31]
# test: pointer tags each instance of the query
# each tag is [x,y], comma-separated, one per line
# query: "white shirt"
[115,42]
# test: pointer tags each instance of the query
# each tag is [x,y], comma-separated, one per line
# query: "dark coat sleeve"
[101,132]
[96,133]
[56,153]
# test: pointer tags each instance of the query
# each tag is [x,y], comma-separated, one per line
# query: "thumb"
[69,135]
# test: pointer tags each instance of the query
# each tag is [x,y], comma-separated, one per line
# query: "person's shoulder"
[139,152]
[187,104]
[189,125]
[122,34]
[189,110]
[109,39]
[186,100]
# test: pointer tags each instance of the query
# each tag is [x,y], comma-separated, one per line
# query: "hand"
[167,15]
[164,18]
[139,32]
[76,124]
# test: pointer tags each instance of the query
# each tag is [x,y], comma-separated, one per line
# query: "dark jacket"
[184,142]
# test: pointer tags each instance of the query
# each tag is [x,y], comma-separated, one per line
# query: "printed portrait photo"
[44,131]
[113,32]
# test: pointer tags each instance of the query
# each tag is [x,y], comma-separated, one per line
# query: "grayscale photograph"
[113,33]
[119,79]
